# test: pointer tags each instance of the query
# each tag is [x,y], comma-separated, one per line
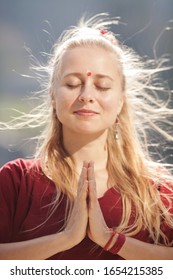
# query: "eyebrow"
[79,75]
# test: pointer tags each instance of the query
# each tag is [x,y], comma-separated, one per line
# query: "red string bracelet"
[118,243]
[106,247]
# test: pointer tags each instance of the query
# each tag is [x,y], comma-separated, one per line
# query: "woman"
[92,192]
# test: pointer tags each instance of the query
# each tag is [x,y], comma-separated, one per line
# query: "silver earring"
[116,134]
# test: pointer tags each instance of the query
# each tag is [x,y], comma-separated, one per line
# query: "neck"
[87,148]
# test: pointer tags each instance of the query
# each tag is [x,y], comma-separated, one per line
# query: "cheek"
[112,103]
[63,102]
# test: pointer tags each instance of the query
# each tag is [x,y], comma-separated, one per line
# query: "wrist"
[109,236]
[115,242]
[71,239]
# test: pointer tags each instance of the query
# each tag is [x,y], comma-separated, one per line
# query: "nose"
[86,95]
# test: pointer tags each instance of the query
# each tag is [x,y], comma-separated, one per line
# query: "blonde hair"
[145,109]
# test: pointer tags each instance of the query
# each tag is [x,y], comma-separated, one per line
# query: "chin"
[89,132]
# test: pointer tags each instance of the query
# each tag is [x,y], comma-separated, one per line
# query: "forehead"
[94,59]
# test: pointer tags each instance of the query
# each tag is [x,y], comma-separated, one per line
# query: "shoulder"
[19,168]
[20,164]
[19,173]
[23,179]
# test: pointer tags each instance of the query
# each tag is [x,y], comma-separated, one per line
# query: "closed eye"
[103,88]
[72,86]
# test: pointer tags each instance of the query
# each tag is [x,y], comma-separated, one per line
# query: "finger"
[92,194]
[83,177]
[84,192]
[91,178]
[91,175]
[92,190]
[85,164]
[81,198]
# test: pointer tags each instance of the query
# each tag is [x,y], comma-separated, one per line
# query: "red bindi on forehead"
[89,73]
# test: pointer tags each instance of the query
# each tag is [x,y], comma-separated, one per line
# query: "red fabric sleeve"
[168,202]
[26,195]
[14,197]
[8,201]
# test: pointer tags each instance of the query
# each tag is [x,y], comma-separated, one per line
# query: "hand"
[78,220]
[98,230]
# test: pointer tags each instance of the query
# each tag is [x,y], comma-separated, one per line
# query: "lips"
[85,112]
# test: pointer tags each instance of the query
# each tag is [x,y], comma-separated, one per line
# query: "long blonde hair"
[144,110]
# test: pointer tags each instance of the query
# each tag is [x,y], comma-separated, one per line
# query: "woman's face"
[88,92]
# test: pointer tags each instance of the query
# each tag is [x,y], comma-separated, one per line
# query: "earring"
[116,134]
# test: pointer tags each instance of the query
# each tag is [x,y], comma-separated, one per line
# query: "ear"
[51,93]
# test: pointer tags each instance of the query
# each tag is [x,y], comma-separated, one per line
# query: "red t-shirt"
[25,195]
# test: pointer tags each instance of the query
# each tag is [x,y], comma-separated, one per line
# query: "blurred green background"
[146,26]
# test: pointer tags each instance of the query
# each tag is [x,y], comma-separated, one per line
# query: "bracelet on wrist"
[118,243]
